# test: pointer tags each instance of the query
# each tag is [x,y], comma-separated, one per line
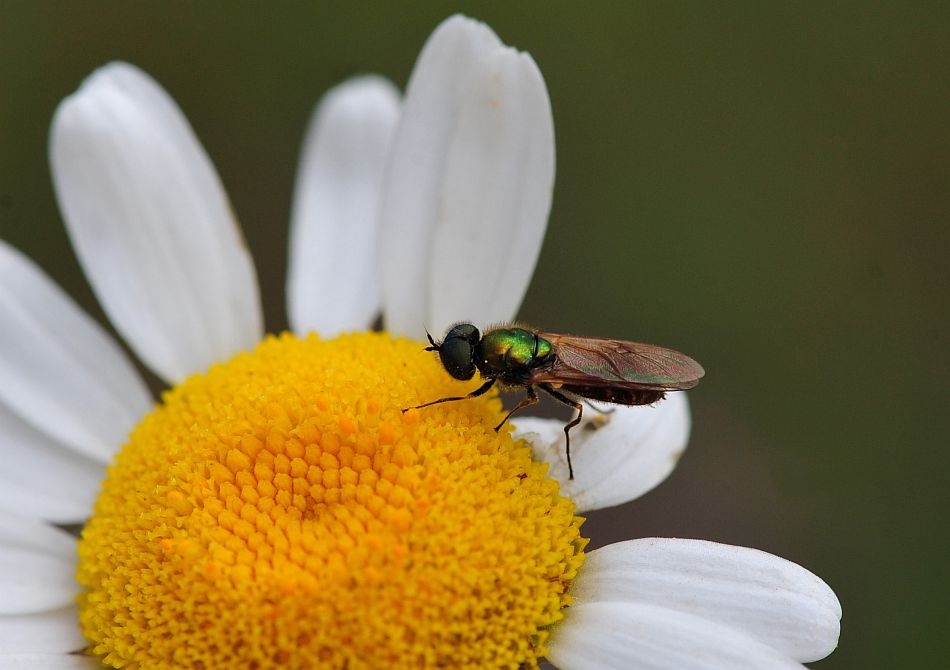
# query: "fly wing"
[593,360]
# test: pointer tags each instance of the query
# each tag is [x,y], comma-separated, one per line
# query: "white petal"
[48,662]
[409,205]
[16,497]
[770,599]
[34,581]
[37,563]
[60,370]
[469,183]
[51,632]
[40,478]
[617,457]
[615,635]
[18,532]
[151,224]
[495,194]
[332,283]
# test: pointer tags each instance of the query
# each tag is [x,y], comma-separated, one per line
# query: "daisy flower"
[277,508]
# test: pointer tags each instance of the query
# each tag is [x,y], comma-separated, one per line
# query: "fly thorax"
[511,350]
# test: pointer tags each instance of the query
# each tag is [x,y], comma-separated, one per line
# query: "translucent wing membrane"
[592,360]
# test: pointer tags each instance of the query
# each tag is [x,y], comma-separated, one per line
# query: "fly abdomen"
[616,395]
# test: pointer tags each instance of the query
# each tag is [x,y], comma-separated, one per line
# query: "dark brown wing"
[591,361]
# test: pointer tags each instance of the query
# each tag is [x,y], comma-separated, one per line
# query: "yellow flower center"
[280,511]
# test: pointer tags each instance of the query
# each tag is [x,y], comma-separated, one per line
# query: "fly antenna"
[434,347]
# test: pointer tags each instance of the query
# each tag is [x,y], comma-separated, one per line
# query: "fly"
[596,368]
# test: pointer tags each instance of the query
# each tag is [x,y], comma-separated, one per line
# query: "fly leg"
[481,390]
[530,399]
[560,397]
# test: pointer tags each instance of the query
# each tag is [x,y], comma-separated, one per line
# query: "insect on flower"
[595,368]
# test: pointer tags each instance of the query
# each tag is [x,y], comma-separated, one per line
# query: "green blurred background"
[763,186]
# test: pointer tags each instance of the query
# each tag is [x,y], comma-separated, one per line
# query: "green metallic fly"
[595,368]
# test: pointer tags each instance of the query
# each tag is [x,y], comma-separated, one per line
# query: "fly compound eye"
[457,350]
[456,356]
[464,331]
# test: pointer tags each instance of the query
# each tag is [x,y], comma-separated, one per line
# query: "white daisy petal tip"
[618,455]
[151,224]
[763,597]
[472,163]
[364,99]
[459,28]
[332,283]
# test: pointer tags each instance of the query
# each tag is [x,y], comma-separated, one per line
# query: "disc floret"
[281,511]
